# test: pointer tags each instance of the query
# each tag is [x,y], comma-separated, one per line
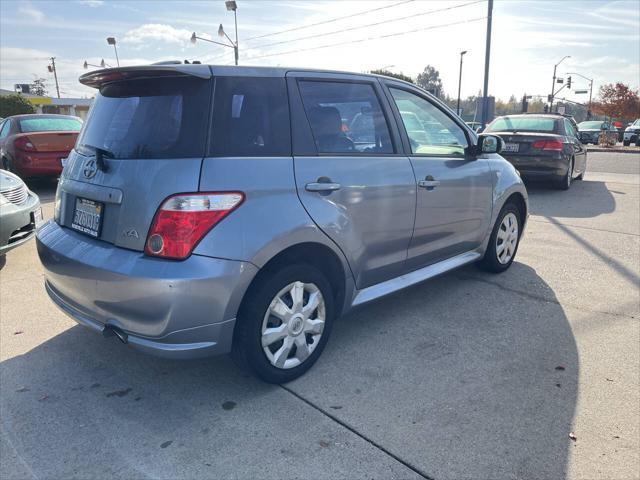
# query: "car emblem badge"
[90,168]
[130,233]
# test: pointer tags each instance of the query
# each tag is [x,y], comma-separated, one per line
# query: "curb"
[612,150]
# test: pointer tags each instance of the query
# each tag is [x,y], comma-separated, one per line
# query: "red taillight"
[182,221]
[23,143]
[555,145]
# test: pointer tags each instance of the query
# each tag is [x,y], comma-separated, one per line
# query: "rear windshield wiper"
[101,153]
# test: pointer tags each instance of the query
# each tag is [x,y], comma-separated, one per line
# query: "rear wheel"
[504,240]
[565,182]
[284,323]
[626,143]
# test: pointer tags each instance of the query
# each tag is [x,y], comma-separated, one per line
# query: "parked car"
[632,134]
[590,131]
[544,147]
[34,145]
[20,212]
[252,232]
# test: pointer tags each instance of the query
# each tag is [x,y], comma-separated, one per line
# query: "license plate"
[511,147]
[87,217]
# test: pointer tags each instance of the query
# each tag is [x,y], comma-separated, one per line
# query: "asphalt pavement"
[532,374]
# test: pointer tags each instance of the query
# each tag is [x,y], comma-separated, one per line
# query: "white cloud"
[157,32]
[91,3]
[33,13]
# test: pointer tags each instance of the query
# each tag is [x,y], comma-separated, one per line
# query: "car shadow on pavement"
[467,376]
[471,375]
[585,199]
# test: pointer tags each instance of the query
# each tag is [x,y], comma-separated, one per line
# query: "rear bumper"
[543,167]
[36,164]
[17,223]
[170,309]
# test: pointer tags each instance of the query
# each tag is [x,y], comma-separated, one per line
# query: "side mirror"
[489,144]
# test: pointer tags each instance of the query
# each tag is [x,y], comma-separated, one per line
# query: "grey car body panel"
[144,296]
[147,182]
[16,217]
[187,308]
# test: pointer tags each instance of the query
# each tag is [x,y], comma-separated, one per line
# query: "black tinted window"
[251,117]
[159,118]
[345,117]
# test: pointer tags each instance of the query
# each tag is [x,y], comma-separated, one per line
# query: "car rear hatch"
[143,141]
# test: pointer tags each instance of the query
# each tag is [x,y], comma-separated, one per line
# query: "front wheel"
[504,240]
[626,143]
[284,323]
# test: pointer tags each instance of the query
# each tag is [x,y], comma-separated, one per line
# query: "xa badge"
[90,168]
[130,233]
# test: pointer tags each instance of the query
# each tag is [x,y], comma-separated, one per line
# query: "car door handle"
[430,184]
[322,187]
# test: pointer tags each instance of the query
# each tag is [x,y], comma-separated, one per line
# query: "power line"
[366,39]
[363,12]
[372,24]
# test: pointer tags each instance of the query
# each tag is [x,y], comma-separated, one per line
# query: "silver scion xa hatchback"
[209,210]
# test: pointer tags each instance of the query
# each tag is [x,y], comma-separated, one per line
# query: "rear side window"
[157,118]
[251,117]
[345,117]
[49,124]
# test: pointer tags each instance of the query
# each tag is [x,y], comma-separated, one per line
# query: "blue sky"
[602,37]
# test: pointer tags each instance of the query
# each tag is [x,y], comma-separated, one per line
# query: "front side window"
[430,130]
[345,118]
[251,117]
[153,118]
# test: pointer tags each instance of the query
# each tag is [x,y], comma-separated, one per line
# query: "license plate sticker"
[511,147]
[87,217]
[37,217]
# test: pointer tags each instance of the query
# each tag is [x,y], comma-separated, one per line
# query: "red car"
[35,145]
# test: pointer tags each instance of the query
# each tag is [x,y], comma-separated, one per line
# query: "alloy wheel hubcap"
[293,324]
[507,238]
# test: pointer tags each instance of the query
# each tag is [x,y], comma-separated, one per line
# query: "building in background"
[64,106]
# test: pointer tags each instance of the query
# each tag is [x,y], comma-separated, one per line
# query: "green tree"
[387,73]
[39,87]
[430,80]
[14,105]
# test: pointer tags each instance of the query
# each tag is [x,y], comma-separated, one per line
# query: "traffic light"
[569,82]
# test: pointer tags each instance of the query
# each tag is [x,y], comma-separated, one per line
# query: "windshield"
[522,124]
[50,124]
[636,123]
[158,118]
[589,125]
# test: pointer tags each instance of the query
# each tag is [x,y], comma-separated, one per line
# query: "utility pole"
[487,56]
[460,83]
[553,84]
[52,68]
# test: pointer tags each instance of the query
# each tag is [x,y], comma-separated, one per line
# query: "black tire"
[247,350]
[565,182]
[626,143]
[490,262]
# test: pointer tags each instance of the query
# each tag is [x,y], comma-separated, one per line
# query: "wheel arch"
[317,254]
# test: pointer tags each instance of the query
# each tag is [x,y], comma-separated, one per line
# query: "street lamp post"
[112,41]
[460,82]
[231,6]
[553,85]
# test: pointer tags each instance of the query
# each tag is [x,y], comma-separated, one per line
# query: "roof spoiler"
[99,78]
